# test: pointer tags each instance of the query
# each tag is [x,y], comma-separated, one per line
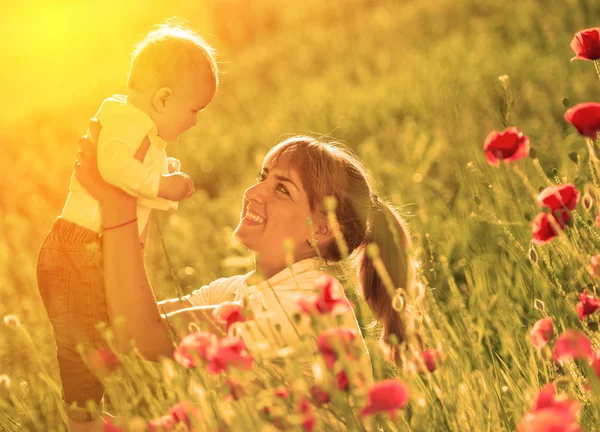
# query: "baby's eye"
[260,177]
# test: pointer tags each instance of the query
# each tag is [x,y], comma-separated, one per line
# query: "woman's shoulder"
[301,275]
[304,280]
[308,271]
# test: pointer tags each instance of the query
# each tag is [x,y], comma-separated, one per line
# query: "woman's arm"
[180,320]
[128,291]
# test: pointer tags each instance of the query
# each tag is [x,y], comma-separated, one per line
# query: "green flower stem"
[593,161]
[313,243]
[283,309]
[34,350]
[174,278]
[525,181]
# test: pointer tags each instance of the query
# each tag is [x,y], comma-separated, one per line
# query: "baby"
[173,76]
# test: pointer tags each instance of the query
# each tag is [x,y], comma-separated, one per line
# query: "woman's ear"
[323,232]
[161,98]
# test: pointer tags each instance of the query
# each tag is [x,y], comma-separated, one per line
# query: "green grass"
[413,87]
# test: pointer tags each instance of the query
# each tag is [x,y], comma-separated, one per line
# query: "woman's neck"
[269,267]
[268,270]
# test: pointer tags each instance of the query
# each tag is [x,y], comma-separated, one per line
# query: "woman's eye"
[260,177]
[282,188]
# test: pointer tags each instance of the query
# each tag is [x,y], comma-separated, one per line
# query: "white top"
[124,128]
[273,303]
[270,300]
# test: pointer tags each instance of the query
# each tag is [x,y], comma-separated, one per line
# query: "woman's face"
[274,209]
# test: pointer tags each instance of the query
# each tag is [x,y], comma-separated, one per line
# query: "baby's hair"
[169,55]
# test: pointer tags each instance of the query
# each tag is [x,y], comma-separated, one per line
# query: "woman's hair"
[331,169]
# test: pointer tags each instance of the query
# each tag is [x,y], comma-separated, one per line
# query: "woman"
[297,175]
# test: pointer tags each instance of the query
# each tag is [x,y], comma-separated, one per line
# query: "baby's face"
[181,111]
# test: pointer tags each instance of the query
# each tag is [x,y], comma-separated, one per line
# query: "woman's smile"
[252,218]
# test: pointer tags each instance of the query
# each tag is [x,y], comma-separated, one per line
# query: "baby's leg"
[71,283]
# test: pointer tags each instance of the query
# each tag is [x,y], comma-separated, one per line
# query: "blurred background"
[411,85]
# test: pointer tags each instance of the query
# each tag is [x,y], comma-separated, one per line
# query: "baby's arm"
[118,166]
[176,186]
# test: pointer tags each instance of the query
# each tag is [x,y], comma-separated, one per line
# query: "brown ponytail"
[389,232]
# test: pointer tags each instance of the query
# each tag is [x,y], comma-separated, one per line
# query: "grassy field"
[413,87]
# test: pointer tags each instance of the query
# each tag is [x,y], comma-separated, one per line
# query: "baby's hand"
[176,186]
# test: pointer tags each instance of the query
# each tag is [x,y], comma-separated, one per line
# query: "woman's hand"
[86,168]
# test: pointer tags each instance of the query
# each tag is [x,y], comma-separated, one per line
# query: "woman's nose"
[255,193]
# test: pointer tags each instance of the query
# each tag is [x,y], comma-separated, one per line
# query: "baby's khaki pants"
[71,283]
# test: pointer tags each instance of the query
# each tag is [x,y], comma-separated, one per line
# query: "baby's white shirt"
[124,128]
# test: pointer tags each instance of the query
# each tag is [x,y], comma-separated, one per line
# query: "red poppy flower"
[276,416]
[309,420]
[587,305]
[343,383]
[386,396]
[161,424]
[595,363]
[184,412]
[586,44]
[194,347]
[228,352]
[542,332]
[542,229]
[282,392]
[228,313]
[103,361]
[329,300]
[333,341]
[558,197]
[551,413]
[432,357]
[319,395]
[571,345]
[598,220]
[547,399]
[109,426]
[585,117]
[236,391]
[509,145]
[548,420]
